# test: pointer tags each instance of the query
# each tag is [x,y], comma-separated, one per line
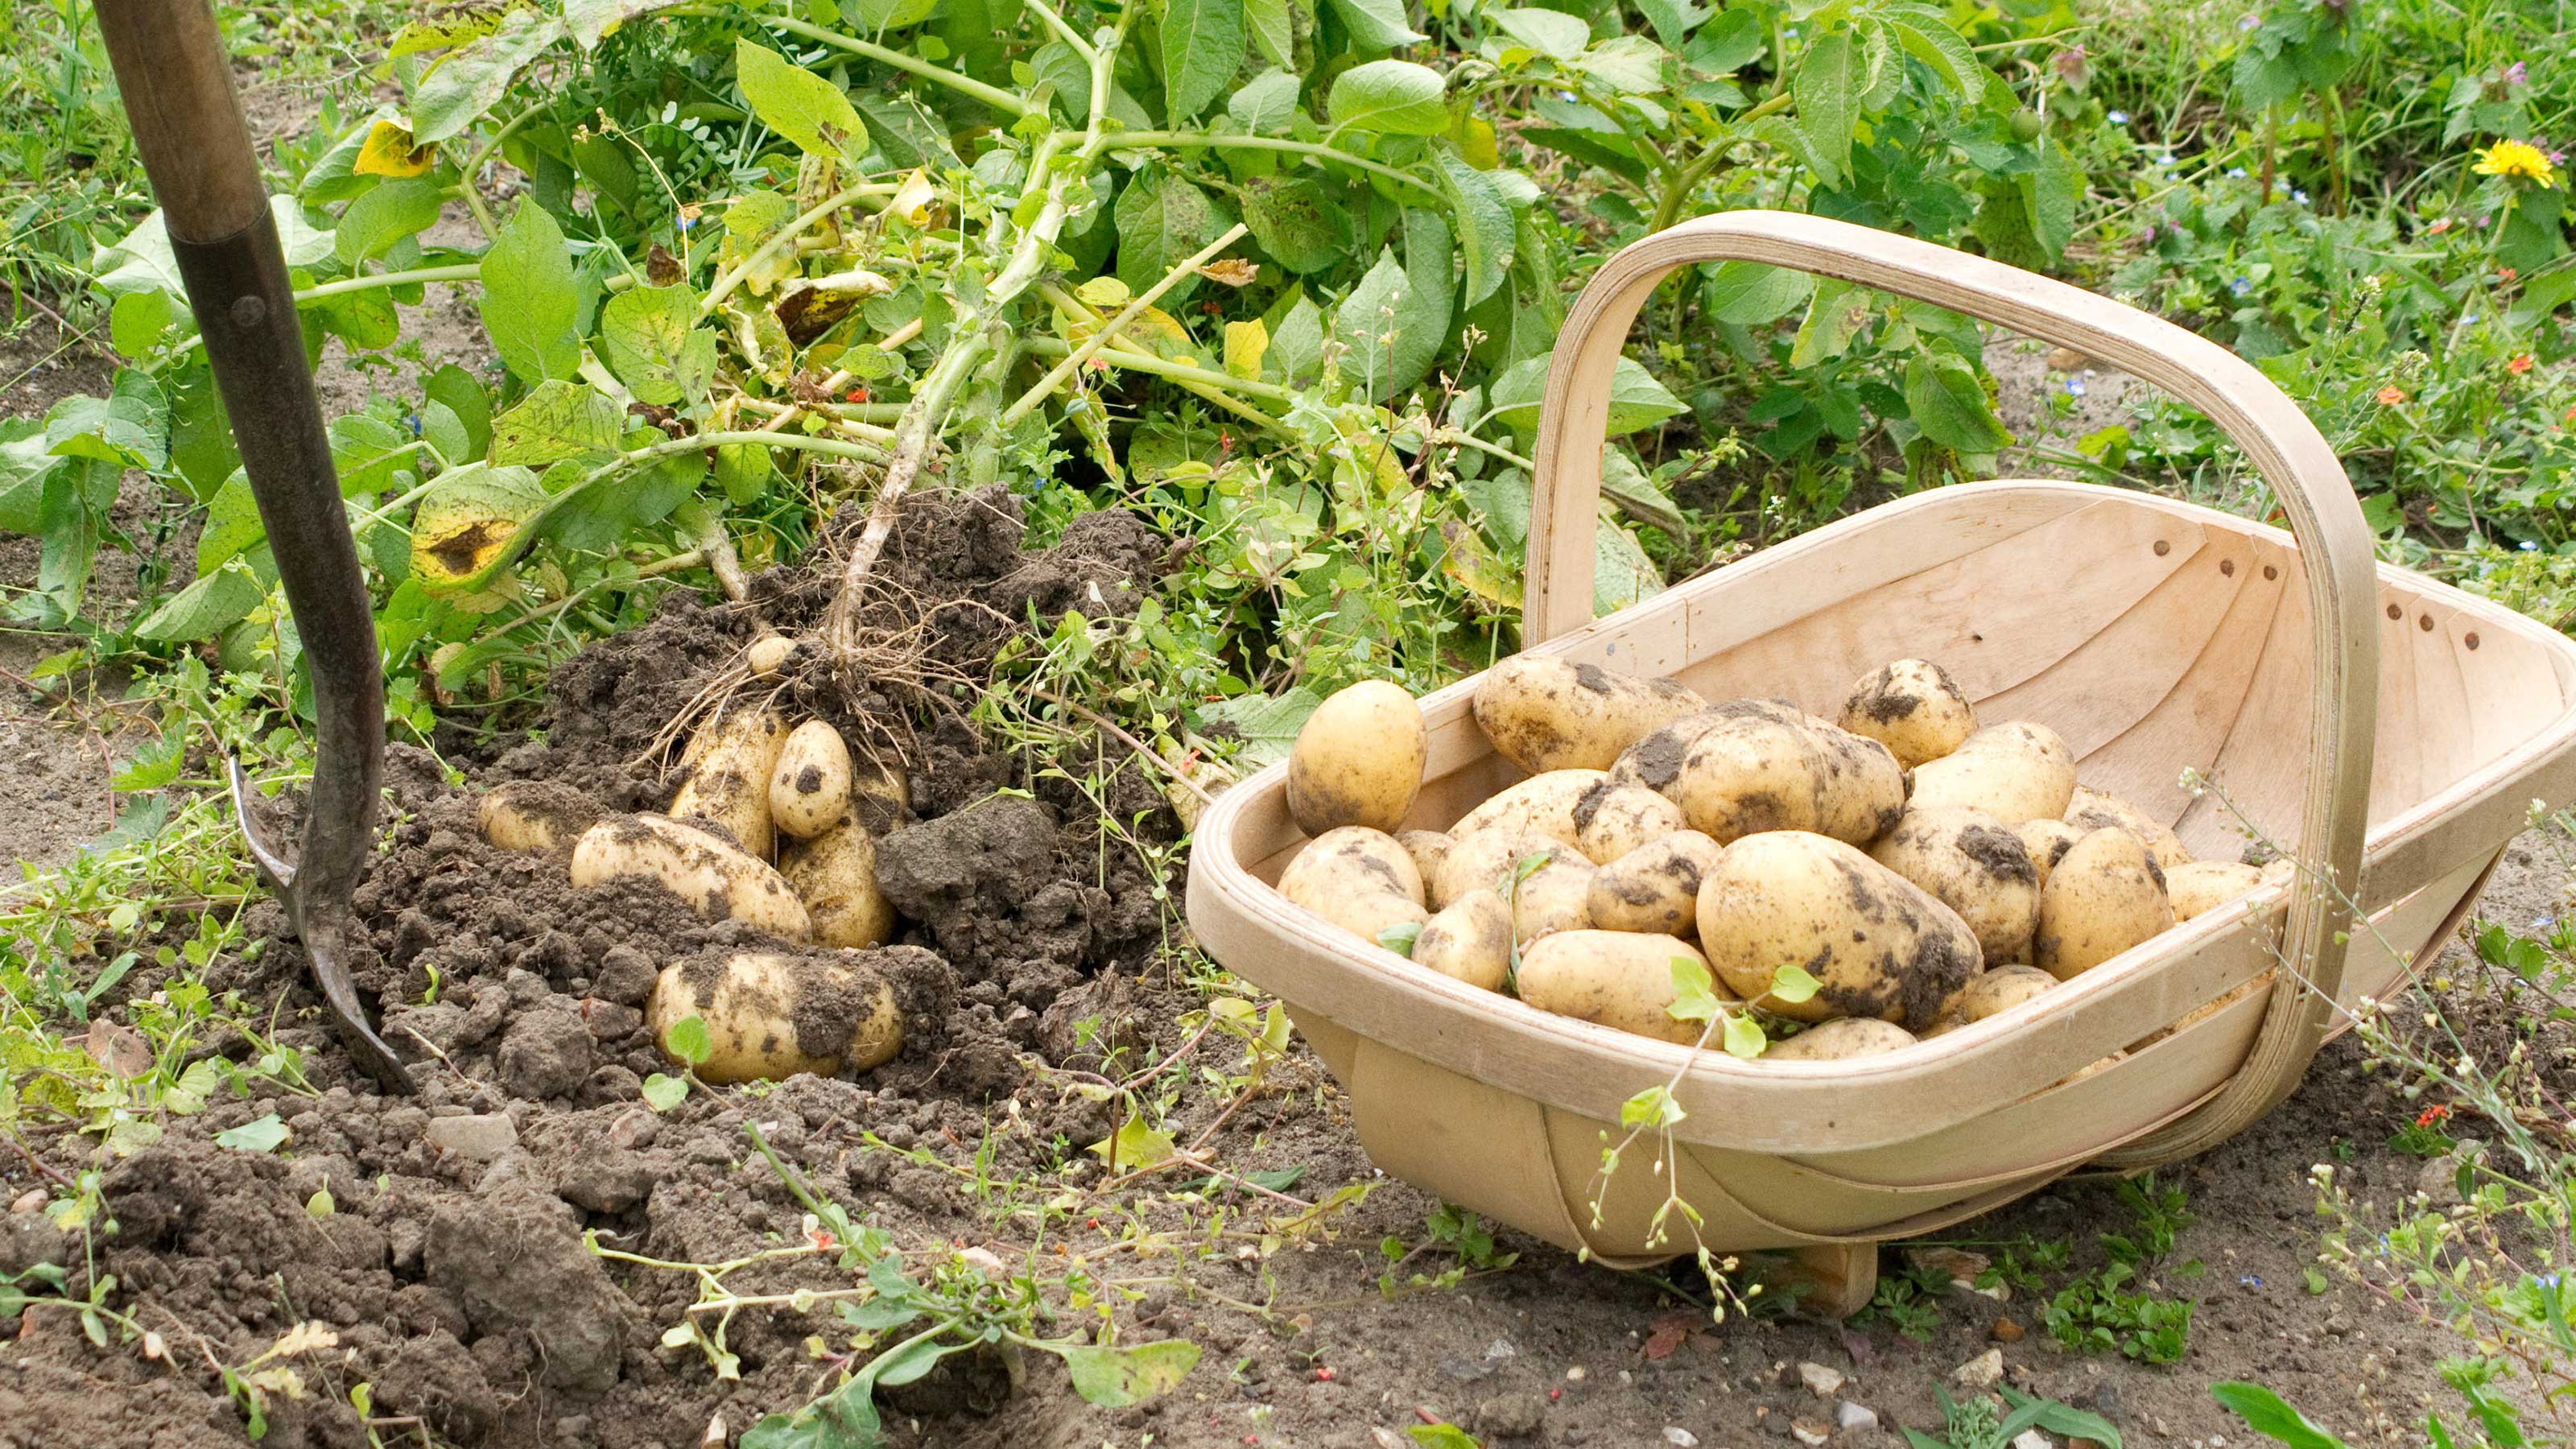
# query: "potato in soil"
[1553,714]
[835,875]
[809,787]
[1840,1040]
[1877,944]
[2104,897]
[1913,707]
[715,879]
[1655,888]
[1617,978]
[728,778]
[1358,760]
[1975,865]
[1357,878]
[538,815]
[773,1014]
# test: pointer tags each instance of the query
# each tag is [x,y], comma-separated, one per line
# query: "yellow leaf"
[1232,271]
[913,200]
[1104,293]
[390,151]
[1475,137]
[1478,570]
[1245,344]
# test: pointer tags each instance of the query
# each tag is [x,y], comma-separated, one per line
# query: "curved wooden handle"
[2335,547]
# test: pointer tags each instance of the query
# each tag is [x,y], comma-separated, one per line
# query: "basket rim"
[1498,1037]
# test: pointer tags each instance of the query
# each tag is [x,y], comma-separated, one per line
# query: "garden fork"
[177,83]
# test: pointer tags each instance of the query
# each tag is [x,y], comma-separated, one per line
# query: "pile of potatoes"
[1927,868]
[774,825]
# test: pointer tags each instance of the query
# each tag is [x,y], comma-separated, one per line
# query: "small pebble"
[1680,1438]
[1853,1416]
[1809,1432]
[1574,1374]
[480,1138]
[1821,1380]
[2033,1439]
[2005,1331]
[1982,1372]
[32,1200]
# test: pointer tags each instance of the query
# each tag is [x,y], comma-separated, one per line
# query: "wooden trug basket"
[2155,635]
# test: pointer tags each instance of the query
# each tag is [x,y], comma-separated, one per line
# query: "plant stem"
[1107,331]
[725,284]
[1195,140]
[463,272]
[1000,100]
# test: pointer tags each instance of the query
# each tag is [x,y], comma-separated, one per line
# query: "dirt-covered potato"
[1542,803]
[1470,941]
[2014,772]
[1913,707]
[2104,897]
[728,782]
[1551,714]
[1654,889]
[1989,992]
[534,815]
[767,655]
[1617,978]
[772,1014]
[2047,840]
[880,795]
[2197,886]
[1835,1041]
[1555,897]
[1485,860]
[2091,810]
[1877,944]
[1763,769]
[1975,865]
[1428,849]
[835,875]
[1357,878]
[1358,760]
[809,787]
[719,881]
[1610,820]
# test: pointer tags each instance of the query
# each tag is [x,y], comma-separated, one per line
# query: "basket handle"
[2335,545]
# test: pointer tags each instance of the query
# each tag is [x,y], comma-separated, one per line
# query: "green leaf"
[1267,103]
[2268,1414]
[558,420]
[232,524]
[1396,97]
[1551,33]
[529,303]
[139,261]
[204,608]
[1202,45]
[602,516]
[1726,46]
[891,14]
[650,338]
[1377,25]
[260,1134]
[2051,194]
[1622,572]
[464,396]
[1752,293]
[689,1040]
[1637,400]
[383,216]
[1630,64]
[1793,984]
[1485,228]
[1162,222]
[1267,726]
[1744,1038]
[1653,1107]
[1442,1436]
[1834,317]
[1115,1378]
[466,529]
[149,768]
[1929,39]
[1949,404]
[1386,328]
[130,427]
[1827,87]
[1302,226]
[1273,34]
[469,79]
[1134,1145]
[846,1418]
[663,1093]
[1694,991]
[137,321]
[798,104]
[1400,937]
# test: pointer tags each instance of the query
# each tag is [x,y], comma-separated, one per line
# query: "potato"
[534,815]
[1555,897]
[1485,860]
[1835,1041]
[1653,889]
[1877,944]
[719,881]
[2198,886]
[1553,714]
[1428,849]
[835,875]
[809,787]
[1989,992]
[1761,769]
[766,657]
[880,795]
[1542,803]
[2092,810]
[770,1014]
[1357,878]
[1617,978]
[1470,941]
[2014,772]
[1975,865]
[2047,840]
[1912,707]
[1610,820]
[1358,760]
[2104,897]
[728,783]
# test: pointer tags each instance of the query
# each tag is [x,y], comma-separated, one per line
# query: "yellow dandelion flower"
[2517,158]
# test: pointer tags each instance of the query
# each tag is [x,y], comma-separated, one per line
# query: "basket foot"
[1839,1278]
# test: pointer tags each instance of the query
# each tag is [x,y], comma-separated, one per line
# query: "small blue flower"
[2116,118]
[2236,172]
[687,221]
[2468,319]
[2075,387]
[2529,546]
[2248,22]
[2298,196]
[2543,923]
[412,421]
[2240,286]
[2250,1280]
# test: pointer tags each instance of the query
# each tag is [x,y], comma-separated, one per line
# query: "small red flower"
[1098,364]
[2440,226]
[822,1240]
[2391,395]
[2520,364]
[1224,443]
[2433,1114]
[858,394]
[2505,273]
[1323,1375]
